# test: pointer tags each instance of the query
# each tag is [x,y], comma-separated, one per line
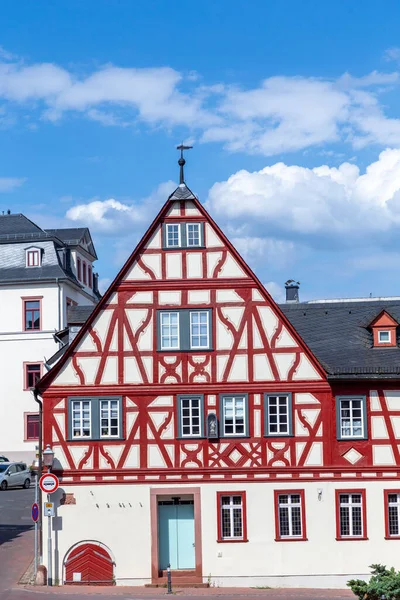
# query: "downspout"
[39,473]
[59,303]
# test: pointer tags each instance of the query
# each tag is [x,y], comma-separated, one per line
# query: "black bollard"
[169,590]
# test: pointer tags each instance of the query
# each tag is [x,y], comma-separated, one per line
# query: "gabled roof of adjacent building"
[339,335]
[75,236]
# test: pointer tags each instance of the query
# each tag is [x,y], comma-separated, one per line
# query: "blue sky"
[292,108]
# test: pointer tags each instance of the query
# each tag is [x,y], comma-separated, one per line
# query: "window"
[84,273]
[199,329]
[290,516]
[31,426]
[183,235]
[351,417]
[169,322]
[31,315]
[95,418]
[384,337]
[234,415]
[191,416]
[278,414]
[392,514]
[351,515]
[184,330]
[193,234]
[232,517]
[33,373]
[173,232]
[79,269]
[33,258]
[90,279]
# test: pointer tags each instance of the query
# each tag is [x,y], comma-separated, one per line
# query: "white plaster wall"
[124,526]
[18,346]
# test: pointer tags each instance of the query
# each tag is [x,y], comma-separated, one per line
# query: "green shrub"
[384,583]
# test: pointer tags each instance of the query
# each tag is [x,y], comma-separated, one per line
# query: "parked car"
[13,474]
[3,458]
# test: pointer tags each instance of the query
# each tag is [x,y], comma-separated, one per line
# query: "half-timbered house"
[198,424]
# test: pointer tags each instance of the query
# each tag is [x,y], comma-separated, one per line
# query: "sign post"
[49,484]
[35,518]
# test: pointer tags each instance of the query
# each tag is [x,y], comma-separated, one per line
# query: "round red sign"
[48,483]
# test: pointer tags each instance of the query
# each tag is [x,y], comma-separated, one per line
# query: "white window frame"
[389,341]
[234,397]
[352,435]
[392,504]
[198,225]
[349,506]
[165,313]
[115,435]
[280,425]
[81,403]
[230,508]
[36,253]
[168,245]
[190,399]
[199,312]
[289,505]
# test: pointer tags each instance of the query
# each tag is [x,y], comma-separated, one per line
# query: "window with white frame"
[278,415]
[384,337]
[33,258]
[393,514]
[231,517]
[234,415]
[193,236]
[351,515]
[290,516]
[199,329]
[109,418]
[81,418]
[169,322]
[173,235]
[184,330]
[95,418]
[190,416]
[351,417]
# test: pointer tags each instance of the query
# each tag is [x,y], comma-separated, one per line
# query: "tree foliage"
[384,584]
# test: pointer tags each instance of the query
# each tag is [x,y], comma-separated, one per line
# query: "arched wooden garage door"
[89,564]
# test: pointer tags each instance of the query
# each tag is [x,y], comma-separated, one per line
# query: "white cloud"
[271,251]
[392,54]
[340,203]
[7,184]
[277,291]
[281,114]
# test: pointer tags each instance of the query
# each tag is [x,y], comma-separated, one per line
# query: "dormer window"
[384,328]
[183,235]
[384,337]
[33,257]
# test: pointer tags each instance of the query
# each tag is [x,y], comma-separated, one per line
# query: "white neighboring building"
[41,274]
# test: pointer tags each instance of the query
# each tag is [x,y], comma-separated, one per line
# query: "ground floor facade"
[278,534]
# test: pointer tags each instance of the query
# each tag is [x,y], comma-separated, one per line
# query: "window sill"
[232,541]
[351,539]
[392,537]
[184,350]
[278,435]
[97,439]
[234,436]
[293,539]
[352,439]
[180,248]
[183,438]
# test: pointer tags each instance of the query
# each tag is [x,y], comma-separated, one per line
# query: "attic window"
[33,258]
[384,337]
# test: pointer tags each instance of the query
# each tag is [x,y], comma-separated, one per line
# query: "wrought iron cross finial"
[182,161]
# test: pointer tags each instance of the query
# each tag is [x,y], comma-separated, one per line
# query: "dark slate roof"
[77,315]
[338,335]
[18,223]
[37,274]
[73,236]
[182,192]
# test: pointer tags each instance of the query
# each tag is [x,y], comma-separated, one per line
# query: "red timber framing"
[150,450]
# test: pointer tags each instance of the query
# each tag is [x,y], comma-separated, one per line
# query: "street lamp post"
[48,459]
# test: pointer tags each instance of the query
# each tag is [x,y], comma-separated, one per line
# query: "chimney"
[292,291]
[95,283]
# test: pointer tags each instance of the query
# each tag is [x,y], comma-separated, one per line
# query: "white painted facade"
[321,561]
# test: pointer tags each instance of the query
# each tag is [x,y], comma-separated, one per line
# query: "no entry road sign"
[35,512]
[48,483]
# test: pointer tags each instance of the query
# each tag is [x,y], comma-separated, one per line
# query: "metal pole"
[36,527]
[49,566]
[169,591]
[39,473]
